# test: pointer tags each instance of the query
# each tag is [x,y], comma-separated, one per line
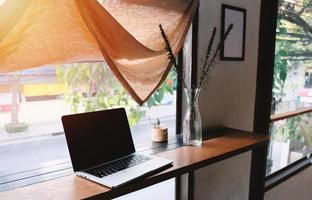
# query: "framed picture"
[234,46]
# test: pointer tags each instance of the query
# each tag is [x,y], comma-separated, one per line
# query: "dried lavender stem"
[171,56]
[208,63]
[212,60]
[208,51]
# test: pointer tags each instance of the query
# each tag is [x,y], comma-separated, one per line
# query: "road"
[34,151]
[30,153]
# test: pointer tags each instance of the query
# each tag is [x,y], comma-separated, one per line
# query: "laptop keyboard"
[118,165]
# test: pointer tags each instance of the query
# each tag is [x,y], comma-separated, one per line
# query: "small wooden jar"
[159,134]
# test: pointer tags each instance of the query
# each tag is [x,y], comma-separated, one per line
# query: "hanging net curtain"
[125,33]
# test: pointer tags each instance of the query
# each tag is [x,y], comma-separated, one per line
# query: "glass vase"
[192,124]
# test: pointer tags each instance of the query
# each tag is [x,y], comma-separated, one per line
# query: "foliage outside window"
[43,95]
[92,86]
[292,89]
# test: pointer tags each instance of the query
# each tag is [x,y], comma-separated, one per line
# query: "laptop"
[102,150]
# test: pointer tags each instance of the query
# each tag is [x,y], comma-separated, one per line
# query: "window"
[32,102]
[291,111]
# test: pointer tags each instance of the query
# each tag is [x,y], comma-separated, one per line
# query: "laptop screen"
[97,137]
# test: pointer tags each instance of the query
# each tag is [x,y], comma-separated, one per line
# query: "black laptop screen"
[97,137]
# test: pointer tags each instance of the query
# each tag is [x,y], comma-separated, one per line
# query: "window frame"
[286,115]
[262,112]
[287,172]
[292,168]
[61,168]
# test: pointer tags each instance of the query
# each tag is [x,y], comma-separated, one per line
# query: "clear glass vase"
[192,124]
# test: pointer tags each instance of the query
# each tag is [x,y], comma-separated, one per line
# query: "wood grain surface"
[185,159]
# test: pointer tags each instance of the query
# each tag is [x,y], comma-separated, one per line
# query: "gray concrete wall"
[230,95]
[225,180]
[298,187]
[228,100]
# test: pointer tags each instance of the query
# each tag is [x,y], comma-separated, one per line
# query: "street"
[30,152]
[34,152]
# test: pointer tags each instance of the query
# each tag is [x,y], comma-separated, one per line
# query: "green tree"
[92,86]
[293,42]
[293,49]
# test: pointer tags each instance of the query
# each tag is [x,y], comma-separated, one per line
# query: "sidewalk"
[44,120]
[140,132]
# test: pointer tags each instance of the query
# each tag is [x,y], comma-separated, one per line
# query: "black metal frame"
[223,29]
[193,72]
[180,101]
[290,170]
[268,16]
[179,94]
[287,172]
[194,49]
[266,56]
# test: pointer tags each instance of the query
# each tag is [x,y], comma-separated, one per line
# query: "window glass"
[292,88]
[291,140]
[32,102]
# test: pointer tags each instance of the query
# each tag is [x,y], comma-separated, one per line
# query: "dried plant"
[208,63]
[170,55]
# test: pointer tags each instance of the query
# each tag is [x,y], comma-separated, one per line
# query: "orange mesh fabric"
[124,32]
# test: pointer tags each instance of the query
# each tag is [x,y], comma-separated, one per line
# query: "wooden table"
[185,159]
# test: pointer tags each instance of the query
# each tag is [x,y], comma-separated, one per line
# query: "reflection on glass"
[291,139]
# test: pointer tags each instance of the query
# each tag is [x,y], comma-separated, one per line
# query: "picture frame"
[233,48]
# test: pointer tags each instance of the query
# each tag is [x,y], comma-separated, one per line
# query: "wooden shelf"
[186,159]
[286,115]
